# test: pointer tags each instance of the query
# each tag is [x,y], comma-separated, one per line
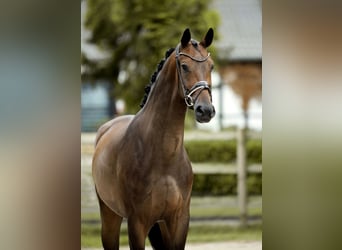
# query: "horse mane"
[154,76]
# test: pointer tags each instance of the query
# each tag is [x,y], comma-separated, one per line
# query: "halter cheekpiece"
[201,85]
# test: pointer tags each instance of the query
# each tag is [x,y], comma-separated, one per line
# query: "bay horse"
[140,167]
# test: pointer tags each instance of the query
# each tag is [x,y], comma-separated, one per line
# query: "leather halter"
[201,85]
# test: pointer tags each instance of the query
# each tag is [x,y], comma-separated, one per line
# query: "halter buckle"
[189,101]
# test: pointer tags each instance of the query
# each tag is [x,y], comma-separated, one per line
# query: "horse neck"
[165,110]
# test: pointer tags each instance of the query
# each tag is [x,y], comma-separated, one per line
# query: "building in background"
[238,81]
[95,96]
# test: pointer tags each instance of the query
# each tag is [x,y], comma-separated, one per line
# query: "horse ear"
[207,40]
[186,37]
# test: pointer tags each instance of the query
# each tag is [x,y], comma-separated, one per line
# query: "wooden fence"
[240,168]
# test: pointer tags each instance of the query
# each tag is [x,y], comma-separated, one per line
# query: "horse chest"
[152,151]
[167,196]
[155,172]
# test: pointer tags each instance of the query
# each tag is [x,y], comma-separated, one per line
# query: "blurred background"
[40,110]
[121,44]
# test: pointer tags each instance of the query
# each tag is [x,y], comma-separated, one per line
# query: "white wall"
[231,108]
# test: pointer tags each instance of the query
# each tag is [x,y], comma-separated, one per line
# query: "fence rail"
[223,168]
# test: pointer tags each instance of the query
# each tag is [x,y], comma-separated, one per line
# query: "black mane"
[154,76]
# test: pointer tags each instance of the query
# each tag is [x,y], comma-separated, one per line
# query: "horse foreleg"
[110,230]
[181,233]
[137,233]
[178,227]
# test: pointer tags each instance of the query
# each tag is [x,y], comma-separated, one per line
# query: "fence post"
[241,174]
[221,105]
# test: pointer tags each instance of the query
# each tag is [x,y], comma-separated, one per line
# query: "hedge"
[225,184]
[222,150]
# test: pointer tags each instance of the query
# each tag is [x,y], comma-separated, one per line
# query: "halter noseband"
[201,85]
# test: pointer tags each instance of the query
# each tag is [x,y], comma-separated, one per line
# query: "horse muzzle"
[204,112]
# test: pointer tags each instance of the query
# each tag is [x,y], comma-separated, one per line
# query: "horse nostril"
[204,113]
[199,110]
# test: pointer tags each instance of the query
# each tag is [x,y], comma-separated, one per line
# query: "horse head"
[194,67]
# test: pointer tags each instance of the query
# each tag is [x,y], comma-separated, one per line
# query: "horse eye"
[185,67]
[212,67]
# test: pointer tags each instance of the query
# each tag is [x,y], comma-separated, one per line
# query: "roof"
[240,30]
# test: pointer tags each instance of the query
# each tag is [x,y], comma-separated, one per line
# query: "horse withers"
[140,167]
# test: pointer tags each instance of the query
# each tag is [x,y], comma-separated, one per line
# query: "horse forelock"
[195,44]
[198,47]
[154,76]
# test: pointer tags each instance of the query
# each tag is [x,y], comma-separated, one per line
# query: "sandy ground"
[212,246]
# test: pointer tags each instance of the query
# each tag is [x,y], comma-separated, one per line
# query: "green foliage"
[219,184]
[222,150]
[211,151]
[136,34]
[254,184]
[205,184]
[254,151]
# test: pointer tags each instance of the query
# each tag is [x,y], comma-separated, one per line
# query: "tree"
[136,35]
